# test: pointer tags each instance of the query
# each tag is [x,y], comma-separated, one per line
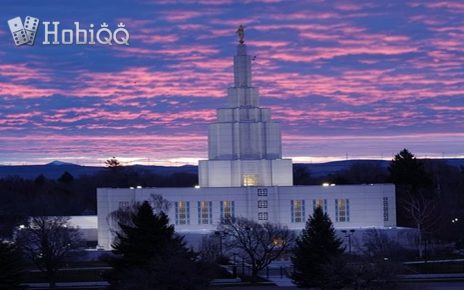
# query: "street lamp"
[348,235]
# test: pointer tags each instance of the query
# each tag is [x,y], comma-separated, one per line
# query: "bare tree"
[210,249]
[377,244]
[422,213]
[48,242]
[258,244]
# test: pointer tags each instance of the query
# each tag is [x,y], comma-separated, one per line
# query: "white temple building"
[246,176]
[244,144]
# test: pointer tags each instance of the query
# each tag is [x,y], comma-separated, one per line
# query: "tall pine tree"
[316,249]
[148,253]
[145,237]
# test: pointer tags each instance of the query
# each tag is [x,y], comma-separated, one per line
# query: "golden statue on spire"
[241,34]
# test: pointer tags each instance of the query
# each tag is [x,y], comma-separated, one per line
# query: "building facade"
[244,144]
[245,176]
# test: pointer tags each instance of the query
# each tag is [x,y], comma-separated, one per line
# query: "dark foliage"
[408,172]
[145,238]
[317,250]
[113,163]
[67,196]
[48,242]
[66,178]
[11,267]
[148,255]
[443,185]
[302,175]
[257,244]
[362,172]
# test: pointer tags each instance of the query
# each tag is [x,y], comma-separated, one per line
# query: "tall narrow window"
[298,211]
[205,213]
[182,212]
[385,209]
[322,203]
[227,209]
[249,180]
[342,210]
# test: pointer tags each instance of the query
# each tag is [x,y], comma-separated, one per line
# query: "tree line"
[69,195]
[429,193]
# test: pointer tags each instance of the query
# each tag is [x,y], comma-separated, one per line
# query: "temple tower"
[244,144]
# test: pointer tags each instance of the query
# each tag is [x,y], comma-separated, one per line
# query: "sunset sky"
[346,79]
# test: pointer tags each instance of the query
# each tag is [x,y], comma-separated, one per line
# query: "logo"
[53,35]
[23,34]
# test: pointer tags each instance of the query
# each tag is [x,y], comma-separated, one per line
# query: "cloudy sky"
[347,79]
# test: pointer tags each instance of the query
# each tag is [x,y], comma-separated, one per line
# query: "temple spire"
[242,62]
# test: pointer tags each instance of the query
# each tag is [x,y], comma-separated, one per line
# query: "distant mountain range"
[55,169]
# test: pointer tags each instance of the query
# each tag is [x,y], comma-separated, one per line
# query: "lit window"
[249,180]
[278,242]
[262,191]
[298,211]
[262,203]
[262,216]
[227,209]
[205,213]
[342,210]
[322,203]
[182,212]
[385,209]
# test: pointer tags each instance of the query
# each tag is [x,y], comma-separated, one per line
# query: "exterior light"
[21,227]
[333,184]
[131,187]
[197,186]
[325,184]
[139,186]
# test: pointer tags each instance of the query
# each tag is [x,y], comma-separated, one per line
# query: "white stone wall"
[366,205]
[244,140]
[227,173]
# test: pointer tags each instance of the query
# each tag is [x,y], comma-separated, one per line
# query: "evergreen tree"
[145,237]
[407,172]
[317,248]
[146,245]
[66,178]
[11,267]
[40,180]
[412,183]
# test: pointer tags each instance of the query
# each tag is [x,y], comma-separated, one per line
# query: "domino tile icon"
[17,30]
[31,25]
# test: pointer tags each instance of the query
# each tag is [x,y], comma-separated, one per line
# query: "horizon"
[303,160]
[346,80]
